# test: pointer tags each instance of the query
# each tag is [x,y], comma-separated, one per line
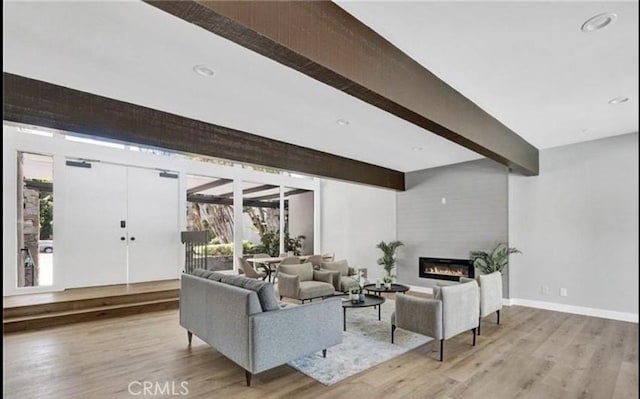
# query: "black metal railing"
[195,246]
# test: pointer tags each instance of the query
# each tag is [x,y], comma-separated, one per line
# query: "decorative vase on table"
[361,297]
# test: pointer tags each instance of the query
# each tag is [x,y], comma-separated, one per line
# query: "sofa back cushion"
[264,290]
[209,274]
[304,271]
[341,265]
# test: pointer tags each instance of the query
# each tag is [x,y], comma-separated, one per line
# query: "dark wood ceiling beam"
[217,200]
[208,186]
[251,190]
[40,103]
[321,40]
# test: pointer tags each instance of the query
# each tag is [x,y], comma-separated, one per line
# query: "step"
[88,303]
[40,321]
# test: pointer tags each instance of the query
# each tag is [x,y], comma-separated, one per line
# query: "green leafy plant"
[388,260]
[356,289]
[496,260]
[270,243]
[293,244]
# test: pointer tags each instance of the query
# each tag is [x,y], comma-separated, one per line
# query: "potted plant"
[387,281]
[388,259]
[354,293]
[495,260]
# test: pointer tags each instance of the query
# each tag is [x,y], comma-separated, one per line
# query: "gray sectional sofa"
[241,318]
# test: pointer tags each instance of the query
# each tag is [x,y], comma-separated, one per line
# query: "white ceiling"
[136,53]
[526,63]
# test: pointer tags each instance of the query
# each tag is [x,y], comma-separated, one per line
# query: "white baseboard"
[507,301]
[558,307]
[581,310]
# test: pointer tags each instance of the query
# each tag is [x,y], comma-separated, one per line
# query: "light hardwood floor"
[533,354]
[74,294]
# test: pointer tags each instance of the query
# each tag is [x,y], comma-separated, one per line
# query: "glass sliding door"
[210,209]
[35,220]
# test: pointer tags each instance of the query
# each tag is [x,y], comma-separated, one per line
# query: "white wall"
[355,218]
[301,209]
[474,215]
[577,226]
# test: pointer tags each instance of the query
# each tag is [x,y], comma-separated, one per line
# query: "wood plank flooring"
[75,294]
[533,354]
[44,310]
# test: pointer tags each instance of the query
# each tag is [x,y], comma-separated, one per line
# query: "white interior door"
[154,235]
[90,239]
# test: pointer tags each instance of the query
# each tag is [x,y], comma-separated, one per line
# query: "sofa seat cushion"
[264,290]
[314,289]
[346,283]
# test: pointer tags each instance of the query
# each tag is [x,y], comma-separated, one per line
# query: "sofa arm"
[279,336]
[325,276]
[420,315]
[288,285]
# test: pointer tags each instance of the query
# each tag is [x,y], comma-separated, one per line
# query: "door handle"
[133,238]
[122,238]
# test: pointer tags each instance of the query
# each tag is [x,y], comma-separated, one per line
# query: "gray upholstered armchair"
[490,295]
[453,310]
[302,282]
[344,277]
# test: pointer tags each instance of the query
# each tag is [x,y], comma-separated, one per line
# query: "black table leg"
[379,309]
[344,319]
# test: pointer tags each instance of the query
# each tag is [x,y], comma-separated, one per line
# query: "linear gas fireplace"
[445,269]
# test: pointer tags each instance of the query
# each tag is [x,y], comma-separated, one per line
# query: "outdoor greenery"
[495,260]
[388,260]
[270,243]
[227,249]
[217,221]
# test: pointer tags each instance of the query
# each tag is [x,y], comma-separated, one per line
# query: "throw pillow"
[264,290]
[266,293]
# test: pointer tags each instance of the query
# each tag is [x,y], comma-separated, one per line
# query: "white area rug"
[366,343]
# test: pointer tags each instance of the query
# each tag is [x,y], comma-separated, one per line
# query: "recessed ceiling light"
[619,100]
[417,148]
[598,22]
[203,70]
[342,122]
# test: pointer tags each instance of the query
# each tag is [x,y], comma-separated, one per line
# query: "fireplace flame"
[445,270]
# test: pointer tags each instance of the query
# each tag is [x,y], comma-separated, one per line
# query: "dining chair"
[267,268]
[249,271]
